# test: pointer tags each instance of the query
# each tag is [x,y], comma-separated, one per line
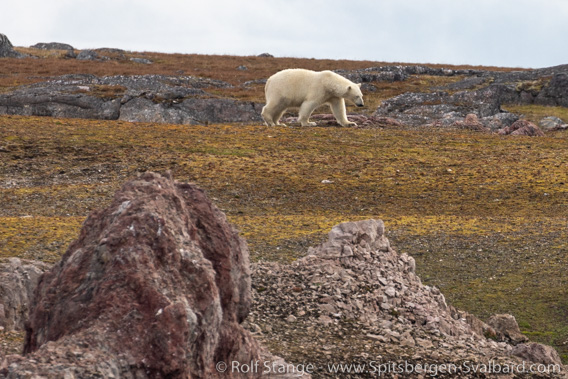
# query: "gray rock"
[481,93]
[499,120]
[52,46]
[390,292]
[18,279]
[141,60]
[190,111]
[427,108]
[399,73]
[141,98]
[7,49]
[88,55]
[55,101]
[551,123]
[554,92]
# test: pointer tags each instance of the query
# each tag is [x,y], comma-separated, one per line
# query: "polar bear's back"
[293,84]
[298,84]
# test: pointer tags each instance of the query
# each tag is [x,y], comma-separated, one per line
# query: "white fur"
[307,90]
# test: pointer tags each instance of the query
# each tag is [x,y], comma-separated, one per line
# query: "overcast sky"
[511,33]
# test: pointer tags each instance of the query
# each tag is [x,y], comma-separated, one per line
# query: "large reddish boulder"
[522,128]
[156,285]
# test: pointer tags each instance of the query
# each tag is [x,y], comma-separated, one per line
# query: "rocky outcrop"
[356,285]
[69,50]
[480,93]
[189,111]
[400,73]
[52,46]
[146,98]
[7,49]
[18,279]
[157,285]
[444,109]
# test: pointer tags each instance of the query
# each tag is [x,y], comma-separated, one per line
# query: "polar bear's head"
[355,95]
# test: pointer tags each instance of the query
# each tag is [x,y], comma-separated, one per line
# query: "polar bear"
[306,89]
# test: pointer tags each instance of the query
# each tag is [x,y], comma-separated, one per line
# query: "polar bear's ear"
[359,84]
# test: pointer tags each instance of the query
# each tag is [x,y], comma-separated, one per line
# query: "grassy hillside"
[485,216]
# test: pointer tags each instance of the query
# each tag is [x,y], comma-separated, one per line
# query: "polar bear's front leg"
[338,110]
[306,110]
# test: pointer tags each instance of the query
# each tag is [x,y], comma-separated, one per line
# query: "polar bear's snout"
[359,102]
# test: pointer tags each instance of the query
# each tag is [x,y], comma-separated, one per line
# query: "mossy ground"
[485,216]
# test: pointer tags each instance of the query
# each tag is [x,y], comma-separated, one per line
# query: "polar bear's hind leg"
[272,113]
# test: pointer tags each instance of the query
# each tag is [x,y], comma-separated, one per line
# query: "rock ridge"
[481,93]
[138,98]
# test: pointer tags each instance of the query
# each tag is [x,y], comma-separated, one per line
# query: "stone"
[145,98]
[291,318]
[406,340]
[156,285]
[88,55]
[499,120]
[141,60]
[54,101]
[481,93]
[555,92]
[325,320]
[191,111]
[52,46]
[551,123]
[522,128]
[7,49]
[425,343]
[390,292]
[506,325]
[18,279]
[538,353]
